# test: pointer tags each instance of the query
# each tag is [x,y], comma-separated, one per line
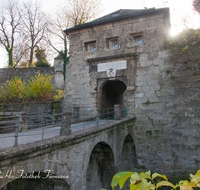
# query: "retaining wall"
[25,74]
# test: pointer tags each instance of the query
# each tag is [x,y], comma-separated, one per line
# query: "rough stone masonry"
[121,59]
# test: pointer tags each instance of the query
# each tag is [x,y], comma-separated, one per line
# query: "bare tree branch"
[73,12]
[10,20]
[35,26]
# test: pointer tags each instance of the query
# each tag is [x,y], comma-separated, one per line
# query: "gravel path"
[7,140]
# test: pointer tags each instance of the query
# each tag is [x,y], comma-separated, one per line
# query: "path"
[7,140]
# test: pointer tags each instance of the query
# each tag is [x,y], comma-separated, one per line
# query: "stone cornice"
[135,55]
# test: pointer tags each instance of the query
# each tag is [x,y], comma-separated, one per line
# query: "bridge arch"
[38,180]
[101,167]
[111,92]
[129,157]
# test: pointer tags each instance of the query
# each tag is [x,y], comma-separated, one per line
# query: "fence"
[50,124]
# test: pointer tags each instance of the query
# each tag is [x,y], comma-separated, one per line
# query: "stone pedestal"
[66,123]
[117,112]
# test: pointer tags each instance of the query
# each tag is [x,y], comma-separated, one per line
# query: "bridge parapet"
[69,152]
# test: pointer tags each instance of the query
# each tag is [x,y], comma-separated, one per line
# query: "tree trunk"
[10,57]
[31,57]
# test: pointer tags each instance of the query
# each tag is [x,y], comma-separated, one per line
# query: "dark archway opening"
[111,94]
[42,182]
[100,168]
[129,157]
[128,154]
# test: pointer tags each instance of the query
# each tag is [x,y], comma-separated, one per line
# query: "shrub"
[188,40]
[146,181]
[13,90]
[40,87]
[41,64]
[59,95]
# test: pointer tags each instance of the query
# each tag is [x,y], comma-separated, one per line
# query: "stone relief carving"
[112,67]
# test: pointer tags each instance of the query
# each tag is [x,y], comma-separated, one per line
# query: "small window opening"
[116,14]
[90,46]
[112,43]
[137,39]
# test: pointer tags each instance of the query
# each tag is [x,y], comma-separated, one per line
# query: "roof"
[59,57]
[118,15]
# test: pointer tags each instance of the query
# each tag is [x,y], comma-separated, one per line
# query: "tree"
[196,5]
[72,13]
[10,21]
[81,11]
[35,25]
[41,57]
[20,52]
[186,21]
[57,30]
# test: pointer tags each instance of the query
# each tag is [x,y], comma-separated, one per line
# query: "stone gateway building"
[121,59]
[107,54]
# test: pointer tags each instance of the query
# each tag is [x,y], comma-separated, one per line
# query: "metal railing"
[22,126]
[49,124]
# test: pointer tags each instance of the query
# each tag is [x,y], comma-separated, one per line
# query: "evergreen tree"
[41,58]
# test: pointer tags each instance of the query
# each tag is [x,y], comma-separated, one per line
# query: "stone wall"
[26,73]
[167,104]
[34,114]
[31,107]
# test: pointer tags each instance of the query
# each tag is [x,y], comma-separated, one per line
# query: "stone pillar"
[66,123]
[117,112]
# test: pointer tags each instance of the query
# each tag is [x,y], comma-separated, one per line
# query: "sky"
[179,9]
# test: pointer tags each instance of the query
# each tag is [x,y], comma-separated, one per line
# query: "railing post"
[16,131]
[117,112]
[97,117]
[42,128]
[53,116]
[66,123]
[76,113]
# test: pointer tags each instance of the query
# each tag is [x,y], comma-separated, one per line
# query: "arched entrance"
[100,168]
[41,181]
[111,94]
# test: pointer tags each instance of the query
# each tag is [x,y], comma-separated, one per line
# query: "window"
[112,43]
[90,46]
[115,14]
[137,39]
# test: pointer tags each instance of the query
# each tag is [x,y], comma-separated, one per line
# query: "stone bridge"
[85,160]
